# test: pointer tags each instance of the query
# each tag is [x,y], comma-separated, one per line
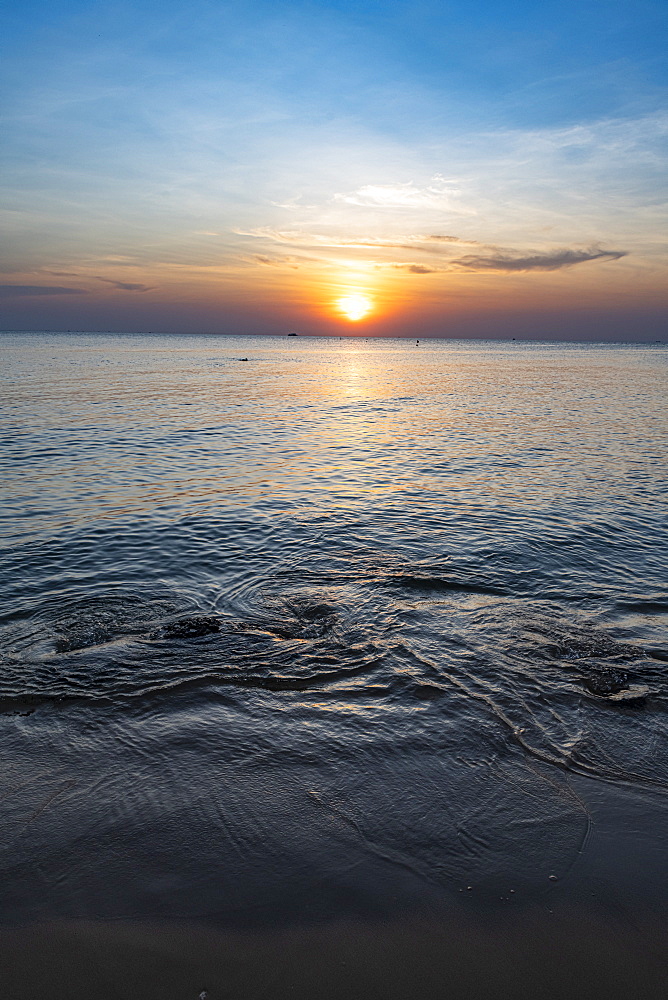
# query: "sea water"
[300,630]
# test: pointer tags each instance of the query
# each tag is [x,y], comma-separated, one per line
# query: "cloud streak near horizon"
[550,261]
[126,286]
[494,260]
[21,291]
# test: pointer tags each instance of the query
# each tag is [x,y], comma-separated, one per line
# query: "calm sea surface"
[296,628]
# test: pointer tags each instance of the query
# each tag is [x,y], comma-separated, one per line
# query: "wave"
[567,691]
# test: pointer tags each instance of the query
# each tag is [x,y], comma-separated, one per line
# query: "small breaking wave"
[115,648]
[419,636]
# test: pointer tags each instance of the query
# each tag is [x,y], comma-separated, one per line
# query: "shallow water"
[300,630]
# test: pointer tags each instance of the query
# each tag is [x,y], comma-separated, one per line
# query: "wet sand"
[528,956]
[99,903]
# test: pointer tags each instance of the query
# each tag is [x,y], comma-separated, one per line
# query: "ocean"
[333,668]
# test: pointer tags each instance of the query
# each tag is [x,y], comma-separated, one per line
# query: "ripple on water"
[472,533]
[556,684]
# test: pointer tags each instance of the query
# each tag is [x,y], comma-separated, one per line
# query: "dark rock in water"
[189,628]
[84,637]
[316,612]
[606,682]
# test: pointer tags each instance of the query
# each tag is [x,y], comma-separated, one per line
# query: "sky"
[425,168]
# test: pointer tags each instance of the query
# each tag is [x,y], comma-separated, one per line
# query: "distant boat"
[293,335]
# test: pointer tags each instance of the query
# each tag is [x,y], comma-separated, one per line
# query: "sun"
[354,307]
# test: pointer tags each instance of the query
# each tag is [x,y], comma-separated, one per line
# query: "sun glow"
[354,307]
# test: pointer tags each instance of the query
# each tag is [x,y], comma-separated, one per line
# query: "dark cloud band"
[536,262]
[126,286]
[12,291]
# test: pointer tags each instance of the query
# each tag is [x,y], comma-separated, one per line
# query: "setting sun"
[354,307]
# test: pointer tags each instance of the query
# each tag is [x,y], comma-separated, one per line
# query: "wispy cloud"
[292,262]
[437,238]
[301,237]
[12,291]
[439,194]
[416,268]
[439,251]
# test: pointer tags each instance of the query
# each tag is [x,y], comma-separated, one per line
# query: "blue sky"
[239,166]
